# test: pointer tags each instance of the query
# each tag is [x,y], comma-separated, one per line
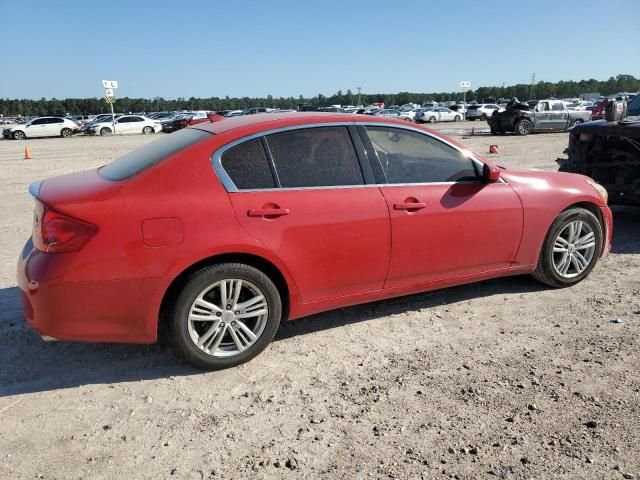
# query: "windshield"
[150,154]
[633,108]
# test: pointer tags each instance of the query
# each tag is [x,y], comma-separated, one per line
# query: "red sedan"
[222,230]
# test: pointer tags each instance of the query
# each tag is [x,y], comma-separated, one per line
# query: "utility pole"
[359,89]
[533,87]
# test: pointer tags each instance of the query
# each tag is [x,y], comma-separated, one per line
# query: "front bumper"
[608,227]
[115,310]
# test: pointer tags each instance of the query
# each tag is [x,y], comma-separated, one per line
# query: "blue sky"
[288,48]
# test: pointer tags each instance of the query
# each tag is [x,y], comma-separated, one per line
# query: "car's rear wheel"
[19,135]
[524,127]
[225,315]
[147,129]
[483,117]
[571,249]
[66,132]
[105,131]
[432,120]
[456,118]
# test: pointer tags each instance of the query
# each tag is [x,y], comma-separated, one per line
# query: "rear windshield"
[148,155]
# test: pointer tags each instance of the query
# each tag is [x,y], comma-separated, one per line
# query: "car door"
[36,128]
[302,194]
[542,113]
[136,124]
[446,222]
[124,125]
[558,117]
[53,127]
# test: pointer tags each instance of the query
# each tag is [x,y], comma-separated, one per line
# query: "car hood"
[628,127]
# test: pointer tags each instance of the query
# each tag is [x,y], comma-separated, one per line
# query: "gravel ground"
[500,379]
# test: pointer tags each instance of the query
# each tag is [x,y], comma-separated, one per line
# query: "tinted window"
[412,157]
[557,107]
[56,120]
[315,157]
[39,121]
[247,165]
[136,119]
[151,153]
[124,120]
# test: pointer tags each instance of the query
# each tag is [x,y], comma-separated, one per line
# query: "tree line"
[89,106]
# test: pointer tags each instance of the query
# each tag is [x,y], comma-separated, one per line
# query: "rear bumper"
[94,311]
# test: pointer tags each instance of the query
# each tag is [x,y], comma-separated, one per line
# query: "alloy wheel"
[227,317]
[574,249]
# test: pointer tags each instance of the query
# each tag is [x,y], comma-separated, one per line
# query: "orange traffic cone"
[493,149]
[27,152]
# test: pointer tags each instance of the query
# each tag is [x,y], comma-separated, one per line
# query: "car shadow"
[626,229]
[30,365]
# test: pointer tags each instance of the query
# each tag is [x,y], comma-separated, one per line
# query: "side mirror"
[490,174]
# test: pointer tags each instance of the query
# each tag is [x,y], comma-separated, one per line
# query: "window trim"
[230,187]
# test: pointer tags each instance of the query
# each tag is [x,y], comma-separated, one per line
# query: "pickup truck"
[608,151]
[536,116]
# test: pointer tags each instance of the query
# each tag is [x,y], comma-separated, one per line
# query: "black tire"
[105,131]
[483,117]
[456,118]
[471,119]
[66,132]
[524,127]
[177,320]
[148,129]
[19,135]
[432,120]
[545,271]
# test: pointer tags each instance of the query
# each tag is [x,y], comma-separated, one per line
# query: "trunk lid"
[81,187]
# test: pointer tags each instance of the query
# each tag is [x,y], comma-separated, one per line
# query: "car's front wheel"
[571,249]
[225,315]
[19,135]
[105,131]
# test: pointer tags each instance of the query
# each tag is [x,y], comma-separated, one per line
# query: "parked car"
[438,114]
[536,116]
[42,127]
[607,151]
[126,124]
[224,229]
[480,111]
[188,120]
[597,110]
[388,113]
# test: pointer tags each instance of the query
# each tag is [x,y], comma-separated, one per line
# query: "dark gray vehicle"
[608,151]
[536,116]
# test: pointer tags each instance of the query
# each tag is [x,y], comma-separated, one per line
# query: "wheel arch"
[595,209]
[257,261]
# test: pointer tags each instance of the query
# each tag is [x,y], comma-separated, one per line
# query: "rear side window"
[315,157]
[558,107]
[247,166]
[150,154]
[411,157]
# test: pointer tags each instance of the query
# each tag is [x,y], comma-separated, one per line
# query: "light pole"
[359,89]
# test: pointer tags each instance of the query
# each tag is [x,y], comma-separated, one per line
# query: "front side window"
[411,157]
[315,157]
[247,166]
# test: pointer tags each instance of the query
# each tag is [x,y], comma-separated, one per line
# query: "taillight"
[55,232]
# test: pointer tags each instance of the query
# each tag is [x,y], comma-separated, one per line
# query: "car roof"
[268,121]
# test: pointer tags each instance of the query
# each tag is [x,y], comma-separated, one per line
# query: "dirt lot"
[501,379]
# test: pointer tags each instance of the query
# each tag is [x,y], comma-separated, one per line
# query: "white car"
[438,114]
[481,111]
[42,127]
[126,124]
